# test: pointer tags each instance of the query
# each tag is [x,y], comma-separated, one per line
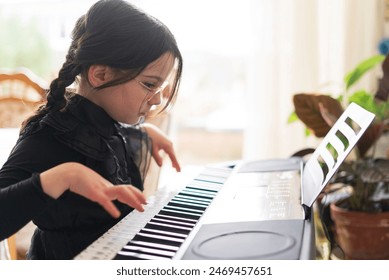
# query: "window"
[243,61]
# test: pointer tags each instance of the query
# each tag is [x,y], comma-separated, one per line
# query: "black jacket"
[83,133]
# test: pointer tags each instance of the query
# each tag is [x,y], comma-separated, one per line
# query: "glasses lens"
[166,98]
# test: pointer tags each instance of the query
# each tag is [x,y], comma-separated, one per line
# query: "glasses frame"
[152,92]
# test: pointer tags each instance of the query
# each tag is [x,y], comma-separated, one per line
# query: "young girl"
[78,165]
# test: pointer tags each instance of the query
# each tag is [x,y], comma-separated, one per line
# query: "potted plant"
[361,217]
[358,195]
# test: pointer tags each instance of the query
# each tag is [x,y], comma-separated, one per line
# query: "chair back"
[21,92]
[4,251]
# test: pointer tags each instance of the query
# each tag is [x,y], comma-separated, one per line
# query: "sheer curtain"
[302,46]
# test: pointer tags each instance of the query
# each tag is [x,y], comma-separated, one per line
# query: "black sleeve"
[139,147]
[19,203]
[21,196]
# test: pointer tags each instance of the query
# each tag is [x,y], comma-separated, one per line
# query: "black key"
[159,233]
[149,251]
[198,201]
[184,209]
[175,219]
[187,205]
[189,194]
[179,214]
[202,190]
[159,240]
[176,229]
[167,221]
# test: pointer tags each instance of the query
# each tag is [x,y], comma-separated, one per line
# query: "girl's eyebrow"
[159,79]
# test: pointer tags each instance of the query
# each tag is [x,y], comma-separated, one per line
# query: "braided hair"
[119,35]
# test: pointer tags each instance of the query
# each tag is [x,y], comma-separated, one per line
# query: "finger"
[128,195]
[108,205]
[174,160]
[111,209]
[139,195]
[157,157]
[131,200]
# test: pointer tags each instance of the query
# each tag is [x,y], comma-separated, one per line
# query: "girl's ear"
[99,75]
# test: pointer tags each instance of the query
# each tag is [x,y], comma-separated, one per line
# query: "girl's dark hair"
[117,34]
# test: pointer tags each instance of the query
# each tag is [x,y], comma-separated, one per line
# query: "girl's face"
[131,102]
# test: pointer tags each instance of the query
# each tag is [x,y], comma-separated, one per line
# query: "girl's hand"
[84,181]
[161,142]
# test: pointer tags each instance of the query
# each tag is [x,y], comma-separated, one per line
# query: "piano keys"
[249,202]
[169,217]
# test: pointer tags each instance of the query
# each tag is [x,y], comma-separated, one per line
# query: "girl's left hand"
[161,142]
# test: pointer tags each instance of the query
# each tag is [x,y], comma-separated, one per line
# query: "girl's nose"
[155,99]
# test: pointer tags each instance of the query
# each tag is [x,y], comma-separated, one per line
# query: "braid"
[57,94]
[56,99]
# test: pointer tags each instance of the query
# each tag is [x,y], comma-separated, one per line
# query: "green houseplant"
[357,199]
[320,111]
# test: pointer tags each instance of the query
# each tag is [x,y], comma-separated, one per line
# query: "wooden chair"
[21,92]
[4,250]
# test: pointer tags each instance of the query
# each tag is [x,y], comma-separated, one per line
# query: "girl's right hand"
[84,181]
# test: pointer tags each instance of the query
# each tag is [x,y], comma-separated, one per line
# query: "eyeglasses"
[153,91]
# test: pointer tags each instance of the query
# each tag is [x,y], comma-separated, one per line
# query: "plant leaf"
[361,69]
[307,131]
[308,111]
[366,101]
[371,135]
[292,117]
